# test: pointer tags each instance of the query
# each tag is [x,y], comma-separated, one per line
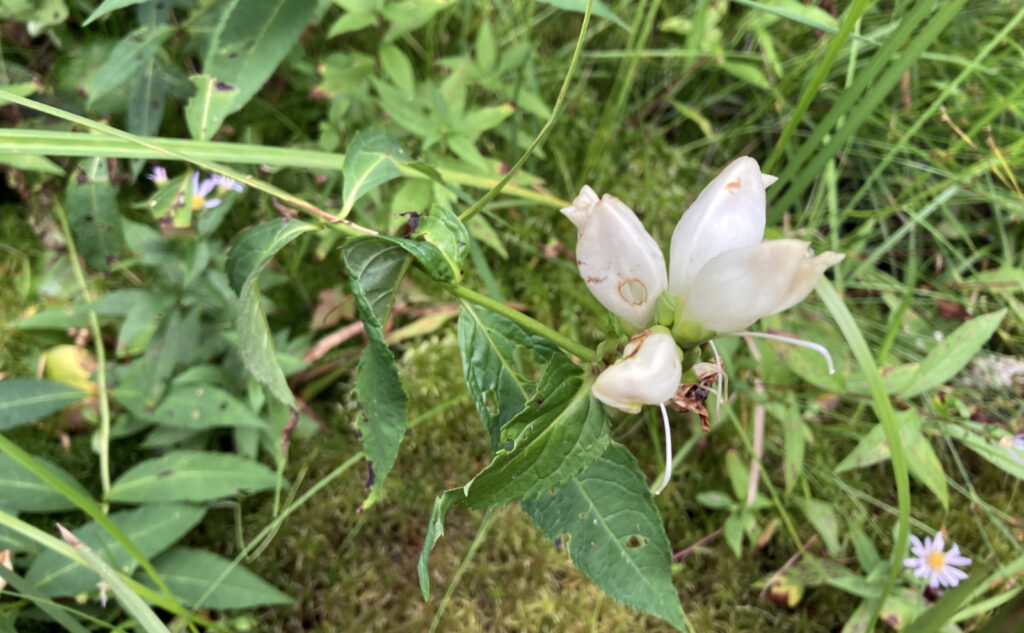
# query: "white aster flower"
[935,564]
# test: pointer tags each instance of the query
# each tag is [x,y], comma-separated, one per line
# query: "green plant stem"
[582,352]
[481,534]
[98,349]
[544,131]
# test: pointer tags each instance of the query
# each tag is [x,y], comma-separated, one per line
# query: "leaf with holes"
[614,534]
[191,476]
[249,255]
[499,358]
[152,528]
[205,111]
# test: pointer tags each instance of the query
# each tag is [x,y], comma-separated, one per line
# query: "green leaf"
[441,228]
[371,160]
[22,491]
[205,111]
[126,60]
[825,522]
[486,49]
[108,6]
[947,358]
[132,603]
[93,214]
[249,42]
[28,162]
[191,476]
[191,572]
[923,463]
[561,431]
[203,407]
[24,400]
[600,9]
[408,15]
[153,528]
[715,499]
[1000,453]
[943,611]
[249,255]
[375,267]
[398,69]
[615,534]
[497,357]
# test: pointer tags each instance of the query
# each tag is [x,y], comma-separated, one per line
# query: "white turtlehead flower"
[618,259]
[648,373]
[931,561]
[725,277]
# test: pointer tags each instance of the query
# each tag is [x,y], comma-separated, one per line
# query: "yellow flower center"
[936,561]
[198,202]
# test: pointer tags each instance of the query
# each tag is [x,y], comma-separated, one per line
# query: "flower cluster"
[201,189]
[723,277]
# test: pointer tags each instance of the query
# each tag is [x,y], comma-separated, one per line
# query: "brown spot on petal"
[733,187]
[595,280]
[633,291]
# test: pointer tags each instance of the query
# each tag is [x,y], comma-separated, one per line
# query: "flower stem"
[98,349]
[581,351]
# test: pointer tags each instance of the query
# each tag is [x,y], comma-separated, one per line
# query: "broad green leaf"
[943,611]
[600,9]
[45,12]
[352,21]
[371,160]
[191,476]
[250,40]
[108,6]
[408,15]
[249,255]
[145,108]
[126,60]
[822,516]
[191,573]
[152,528]
[739,474]
[947,358]
[24,400]
[204,407]
[922,462]
[486,49]
[732,531]
[560,432]
[375,267]
[863,547]
[398,69]
[93,214]
[715,499]
[615,534]
[205,111]
[441,228]
[22,491]
[28,162]
[497,358]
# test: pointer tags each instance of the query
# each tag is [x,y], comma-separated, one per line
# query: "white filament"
[720,381]
[668,450]
[793,341]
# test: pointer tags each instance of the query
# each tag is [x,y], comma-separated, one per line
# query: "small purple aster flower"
[158,176]
[1017,447]
[199,192]
[225,184]
[940,567]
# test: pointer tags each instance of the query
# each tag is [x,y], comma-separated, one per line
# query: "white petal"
[579,212]
[618,259]
[728,213]
[916,546]
[742,285]
[648,373]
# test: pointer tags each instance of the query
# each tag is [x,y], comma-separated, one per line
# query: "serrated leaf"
[24,400]
[496,357]
[191,476]
[249,255]
[189,573]
[599,8]
[372,158]
[126,60]
[22,491]
[375,268]
[93,214]
[560,432]
[204,407]
[152,528]
[205,111]
[947,358]
[615,534]
[250,42]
